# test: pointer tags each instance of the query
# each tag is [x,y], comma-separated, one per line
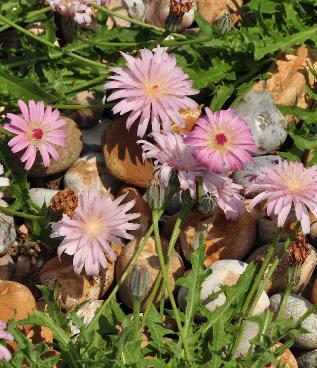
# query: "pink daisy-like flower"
[97,221]
[172,154]
[285,185]
[37,129]
[227,194]
[222,141]
[151,88]
[80,11]
[4,182]
[4,335]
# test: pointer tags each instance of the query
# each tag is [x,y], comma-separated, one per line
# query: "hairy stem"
[155,216]
[136,318]
[9,211]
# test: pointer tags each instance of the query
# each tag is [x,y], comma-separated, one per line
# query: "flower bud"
[174,19]
[155,194]
[224,23]
[293,275]
[138,283]
[207,203]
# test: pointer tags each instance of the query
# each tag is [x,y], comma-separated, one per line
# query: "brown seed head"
[298,250]
[65,201]
[180,7]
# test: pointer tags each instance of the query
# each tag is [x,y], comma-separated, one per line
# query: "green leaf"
[221,95]
[21,88]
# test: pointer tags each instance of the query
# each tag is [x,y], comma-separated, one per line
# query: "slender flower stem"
[28,18]
[81,107]
[103,308]
[281,307]
[261,272]
[175,234]
[155,216]
[51,45]
[9,211]
[136,318]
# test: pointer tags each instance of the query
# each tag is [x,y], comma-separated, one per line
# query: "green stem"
[5,132]
[155,217]
[136,318]
[27,18]
[175,234]
[87,84]
[81,107]
[103,308]
[281,307]
[9,211]
[51,45]
[263,268]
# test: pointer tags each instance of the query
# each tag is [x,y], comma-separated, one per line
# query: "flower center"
[152,90]
[221,139]
[93,227]
[37,133]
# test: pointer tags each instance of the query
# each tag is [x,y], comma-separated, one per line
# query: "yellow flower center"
[93,226]
[152,90]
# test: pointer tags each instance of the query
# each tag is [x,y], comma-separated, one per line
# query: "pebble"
[268,124]
[279,278]
[92,137]
[90,170]
[136,8]
[250,171]
[225,239]
[227,272]
[250,331]
[42,195]
[86,118]
[68,154]
[119,7]
[7,230]
[267,228]
[308,359]
[16,301]
[150,261]
[123,156]
[295,308]
[74,289]
[87,313]
[140,207]
[6,267]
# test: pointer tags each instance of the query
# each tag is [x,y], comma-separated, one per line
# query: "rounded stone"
[67,155]
[251,170]
[123,156]
[7,230]
[308,359]
[16,301]
[150,261]
[295,308]
[42,195]
[92,137]
[225,239]
[279,278]
[6,267]
[268,124]
[90,170]
[140,207]
[286,360]
[75,289]
[86,118]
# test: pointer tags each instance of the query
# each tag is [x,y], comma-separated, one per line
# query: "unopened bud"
[293,275]
[156,194]
[224,23]
[207,203]
[139,281]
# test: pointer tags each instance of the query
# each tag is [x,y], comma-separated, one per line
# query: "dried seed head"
[298,250]
[65,201]
[180,7]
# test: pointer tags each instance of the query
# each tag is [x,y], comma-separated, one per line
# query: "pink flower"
[284,185]
[37,129]
[151,88]
[97,221]
[172,154]
[222,141]
[4,335]
[227,194]
[79,10]
[4,182]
